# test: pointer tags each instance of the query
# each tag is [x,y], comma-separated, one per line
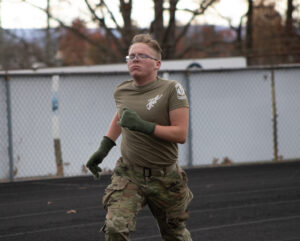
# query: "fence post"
[55,127]
[274,116]
[188,92]
[9,129]
[193,65]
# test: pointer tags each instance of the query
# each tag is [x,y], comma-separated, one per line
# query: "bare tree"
[289,16]
[49,55]
[157,25]
[1,40]
[126,30]
[18,52]
[237,29]
[178,39]
[249,28]
[121,35]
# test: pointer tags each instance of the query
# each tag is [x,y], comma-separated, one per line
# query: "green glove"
[133,122]
[99,155]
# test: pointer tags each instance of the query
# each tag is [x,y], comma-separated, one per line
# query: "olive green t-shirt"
[152,102]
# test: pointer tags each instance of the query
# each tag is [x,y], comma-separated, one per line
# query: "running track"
[258,202]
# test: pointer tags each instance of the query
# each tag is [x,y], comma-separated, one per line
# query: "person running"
[152,116]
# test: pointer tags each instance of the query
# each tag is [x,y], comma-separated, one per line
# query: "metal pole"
[9,129]
[55,126]
[274,115]
[188,92]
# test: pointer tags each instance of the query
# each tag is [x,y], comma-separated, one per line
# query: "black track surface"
[258,202]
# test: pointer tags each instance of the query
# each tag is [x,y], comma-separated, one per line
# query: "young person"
[152,116]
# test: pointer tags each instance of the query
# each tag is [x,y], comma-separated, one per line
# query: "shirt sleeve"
[178,98]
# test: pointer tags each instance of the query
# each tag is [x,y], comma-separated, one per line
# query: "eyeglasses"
[138,56]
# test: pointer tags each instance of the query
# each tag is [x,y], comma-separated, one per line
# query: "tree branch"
[75,31]
[103,24]
[111,15]
[202,8]
[229,21]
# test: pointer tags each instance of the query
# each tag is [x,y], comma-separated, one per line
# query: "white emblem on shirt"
[180,92]
[152,102]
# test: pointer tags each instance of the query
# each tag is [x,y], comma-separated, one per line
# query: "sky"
[16,14]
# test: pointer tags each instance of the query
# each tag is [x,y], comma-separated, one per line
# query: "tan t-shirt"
[152,102]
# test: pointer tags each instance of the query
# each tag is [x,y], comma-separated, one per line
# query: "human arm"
[175,132]
[107,143]
[114,130]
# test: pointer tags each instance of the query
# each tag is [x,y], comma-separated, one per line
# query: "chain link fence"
[52,122]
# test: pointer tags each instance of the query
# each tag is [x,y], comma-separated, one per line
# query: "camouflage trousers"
[167,196]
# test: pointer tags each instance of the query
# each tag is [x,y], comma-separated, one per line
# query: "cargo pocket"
[175,181]
[178,196]
[118,183]
[183,175]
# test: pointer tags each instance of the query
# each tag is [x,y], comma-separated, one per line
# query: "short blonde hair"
[148,40]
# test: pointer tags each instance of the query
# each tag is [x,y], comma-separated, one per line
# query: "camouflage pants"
[166,195]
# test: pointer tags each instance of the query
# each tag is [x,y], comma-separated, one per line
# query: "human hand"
[131,120]
[93,163]
[99,155]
